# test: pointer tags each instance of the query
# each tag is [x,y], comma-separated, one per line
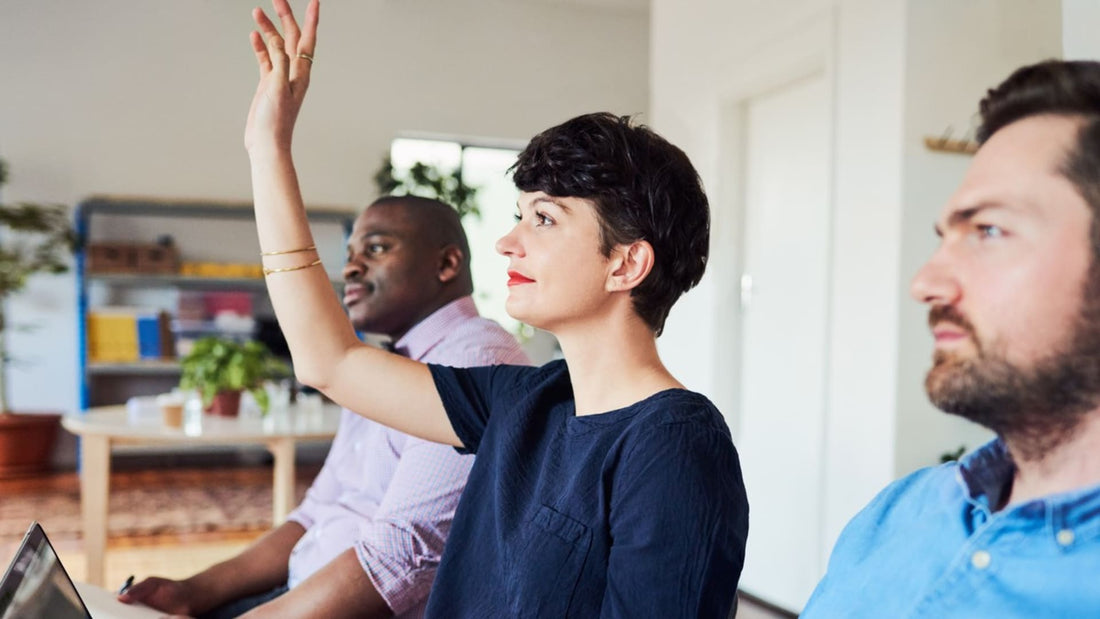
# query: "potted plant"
[428,181]
[221,369]
[34,239]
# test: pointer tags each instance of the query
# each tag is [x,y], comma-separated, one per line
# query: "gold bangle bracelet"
[268,271]
[288,251]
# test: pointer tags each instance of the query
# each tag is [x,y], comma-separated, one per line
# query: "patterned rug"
[153,503]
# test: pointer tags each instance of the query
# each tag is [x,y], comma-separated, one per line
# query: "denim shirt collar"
[987,476]
[988,473]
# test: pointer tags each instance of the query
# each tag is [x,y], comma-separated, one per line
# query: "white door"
[784,317]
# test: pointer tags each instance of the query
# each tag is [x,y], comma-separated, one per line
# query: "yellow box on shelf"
[127,334]
[112,335]
[221,269]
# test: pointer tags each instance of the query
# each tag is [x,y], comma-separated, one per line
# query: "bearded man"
[1012,530]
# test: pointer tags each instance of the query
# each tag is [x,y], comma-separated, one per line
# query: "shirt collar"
[428,332]
[988,472]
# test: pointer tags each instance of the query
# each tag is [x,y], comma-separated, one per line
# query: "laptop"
[37,585]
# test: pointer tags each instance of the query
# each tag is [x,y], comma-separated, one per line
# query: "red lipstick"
[515,278]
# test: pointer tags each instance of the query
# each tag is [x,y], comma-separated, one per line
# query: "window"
[485,168]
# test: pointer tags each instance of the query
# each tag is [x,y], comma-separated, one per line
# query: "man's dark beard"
[1035,409]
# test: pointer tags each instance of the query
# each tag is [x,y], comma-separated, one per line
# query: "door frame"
[807,49]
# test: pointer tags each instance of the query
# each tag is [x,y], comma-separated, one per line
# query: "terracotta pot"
[26,443]
[226,404]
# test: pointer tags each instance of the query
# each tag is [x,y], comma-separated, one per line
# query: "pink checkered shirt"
[389,495]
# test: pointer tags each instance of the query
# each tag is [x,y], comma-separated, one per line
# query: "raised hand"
[285,62]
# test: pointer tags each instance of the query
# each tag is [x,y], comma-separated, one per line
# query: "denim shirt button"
[1065,537]
[980,559]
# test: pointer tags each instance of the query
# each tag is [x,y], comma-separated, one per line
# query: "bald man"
[369,535]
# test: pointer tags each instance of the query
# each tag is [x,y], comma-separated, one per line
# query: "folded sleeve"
[400,548]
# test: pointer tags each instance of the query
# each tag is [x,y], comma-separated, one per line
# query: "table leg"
[95,475]
[282,450]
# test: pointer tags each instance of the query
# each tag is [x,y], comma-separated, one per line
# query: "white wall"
[859,45]
[149,98]
[869,70]
[1079,19]
[704,59]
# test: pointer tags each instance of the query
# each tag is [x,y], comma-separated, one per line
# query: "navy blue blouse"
[637,512]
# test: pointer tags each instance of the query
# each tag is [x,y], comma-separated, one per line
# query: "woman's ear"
[450,263]
[630,264]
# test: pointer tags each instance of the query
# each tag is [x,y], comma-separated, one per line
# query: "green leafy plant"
[951,456]
[217,364]
[34,238]
[428,181]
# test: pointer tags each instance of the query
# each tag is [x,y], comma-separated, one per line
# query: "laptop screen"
[36,584]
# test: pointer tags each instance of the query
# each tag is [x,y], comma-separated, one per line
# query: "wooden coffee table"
[102,428]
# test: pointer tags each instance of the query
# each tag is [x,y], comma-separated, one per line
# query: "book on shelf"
[122,334]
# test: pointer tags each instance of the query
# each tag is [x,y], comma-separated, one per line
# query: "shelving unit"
[214,231]
[179,281]
[147,367]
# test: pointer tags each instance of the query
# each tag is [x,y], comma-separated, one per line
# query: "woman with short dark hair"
[602,486]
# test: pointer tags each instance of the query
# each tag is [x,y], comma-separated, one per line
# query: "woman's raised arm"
[384,387]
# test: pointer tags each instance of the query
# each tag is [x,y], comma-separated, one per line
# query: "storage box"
[233,302]
[222,269]
[111,258]
[154,335]
[112,335]
[191,305]
[157,258]
[127,334]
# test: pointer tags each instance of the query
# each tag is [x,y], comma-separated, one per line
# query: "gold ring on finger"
[305,56]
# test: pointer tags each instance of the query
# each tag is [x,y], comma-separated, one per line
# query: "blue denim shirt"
[931,545]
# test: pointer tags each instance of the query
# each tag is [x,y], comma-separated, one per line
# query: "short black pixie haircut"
[1064,88]
[643,188]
